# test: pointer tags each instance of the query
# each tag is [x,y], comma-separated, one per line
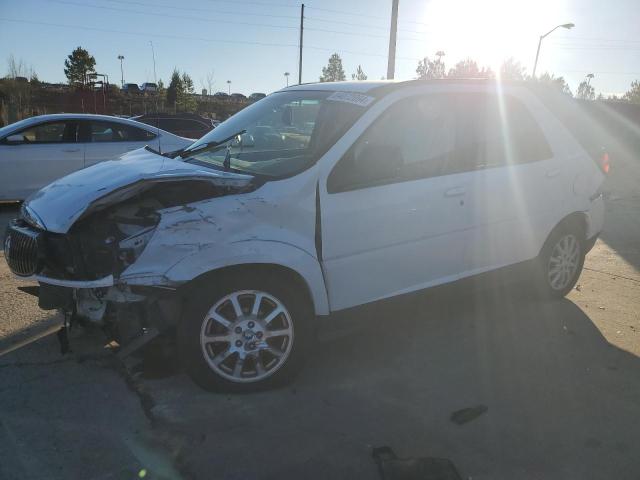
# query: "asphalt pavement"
[553,388]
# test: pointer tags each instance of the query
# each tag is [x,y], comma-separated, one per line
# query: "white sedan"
[38,150]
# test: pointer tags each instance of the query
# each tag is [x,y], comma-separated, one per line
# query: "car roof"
[359,86]
[80,116]
[382,87]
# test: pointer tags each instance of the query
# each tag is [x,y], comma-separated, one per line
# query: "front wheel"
[561,262]
[245,334]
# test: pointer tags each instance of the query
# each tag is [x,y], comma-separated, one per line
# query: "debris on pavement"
[422,468]
[466,415]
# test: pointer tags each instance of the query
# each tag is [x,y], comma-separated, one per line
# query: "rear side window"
[116,132]
[178,125]
[53,132]
[495,131]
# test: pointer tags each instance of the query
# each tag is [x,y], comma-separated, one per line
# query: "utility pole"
[391,65]
[300,54]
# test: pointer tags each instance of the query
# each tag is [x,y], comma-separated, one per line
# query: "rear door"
[109,140]
[516,180]
[401,229]
[49,150]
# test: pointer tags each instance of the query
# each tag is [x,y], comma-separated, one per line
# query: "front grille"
[21,250]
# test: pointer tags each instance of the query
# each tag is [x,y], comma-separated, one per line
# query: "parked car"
[149,88]
[36,151]
[187,125]
[256,96]
[238,97]
[221,95]
[131,89]
[243,240]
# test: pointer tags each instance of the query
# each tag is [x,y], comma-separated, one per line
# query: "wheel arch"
[285,261]
[575,220]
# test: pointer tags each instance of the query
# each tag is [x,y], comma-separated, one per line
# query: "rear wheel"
[561,262]
[244,334]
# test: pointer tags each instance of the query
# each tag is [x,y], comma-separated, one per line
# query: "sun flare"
[489,31]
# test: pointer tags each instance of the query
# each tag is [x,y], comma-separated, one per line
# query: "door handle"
[455,192]
[71,150]
[553,173]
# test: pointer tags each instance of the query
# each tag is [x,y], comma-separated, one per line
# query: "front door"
[47,152]
[390,222]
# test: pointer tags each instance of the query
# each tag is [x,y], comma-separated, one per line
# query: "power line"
[146,34]
[363,25]
[164,15]
[195,9]
[261,4]
[361,15]
[189,38]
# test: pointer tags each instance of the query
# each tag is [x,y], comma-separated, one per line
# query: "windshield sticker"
[349,97]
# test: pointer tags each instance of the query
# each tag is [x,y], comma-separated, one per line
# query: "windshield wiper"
[211,145]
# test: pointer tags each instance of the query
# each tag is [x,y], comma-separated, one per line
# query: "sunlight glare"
[490,31]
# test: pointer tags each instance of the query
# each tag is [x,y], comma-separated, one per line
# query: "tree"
[16,68]
[175,86]
[556,82]
[208,82]
[78,66]
[468,68]
[180,92]
[585,91]
[511,69]
[359,75]
[185,101]
[633,94]
[428,69]
[333,72]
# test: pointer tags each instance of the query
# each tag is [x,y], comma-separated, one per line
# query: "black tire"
[208,292]
[568,232]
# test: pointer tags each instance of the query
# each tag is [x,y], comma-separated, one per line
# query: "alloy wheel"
[247,336]
[563,262]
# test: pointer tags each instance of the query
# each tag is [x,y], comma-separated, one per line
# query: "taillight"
[604,162]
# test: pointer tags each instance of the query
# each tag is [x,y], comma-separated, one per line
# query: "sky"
[253,43]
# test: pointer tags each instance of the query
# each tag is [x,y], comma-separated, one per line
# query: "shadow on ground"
[561,401]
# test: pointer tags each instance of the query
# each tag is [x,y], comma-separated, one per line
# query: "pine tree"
[359,75]
[333,72]
[78,66]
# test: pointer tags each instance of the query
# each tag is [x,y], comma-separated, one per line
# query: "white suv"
[315,199]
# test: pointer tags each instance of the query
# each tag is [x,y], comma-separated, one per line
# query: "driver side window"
[412,139]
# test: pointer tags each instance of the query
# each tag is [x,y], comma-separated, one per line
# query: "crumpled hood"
[60,204]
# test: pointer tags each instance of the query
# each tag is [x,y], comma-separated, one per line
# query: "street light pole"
[568,26]
[229,83]
[589,77]
[286,75]
[121,58]
[153,54]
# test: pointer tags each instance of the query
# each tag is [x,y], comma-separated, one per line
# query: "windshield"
[281,134]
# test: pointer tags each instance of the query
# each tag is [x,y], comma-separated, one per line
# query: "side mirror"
[377,163]
[15,139]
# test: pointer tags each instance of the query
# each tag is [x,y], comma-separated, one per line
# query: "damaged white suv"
[315,199]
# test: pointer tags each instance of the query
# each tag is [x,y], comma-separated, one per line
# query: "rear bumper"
[595,218]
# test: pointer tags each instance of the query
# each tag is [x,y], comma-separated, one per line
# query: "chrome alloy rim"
[563,262]
[246,336]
